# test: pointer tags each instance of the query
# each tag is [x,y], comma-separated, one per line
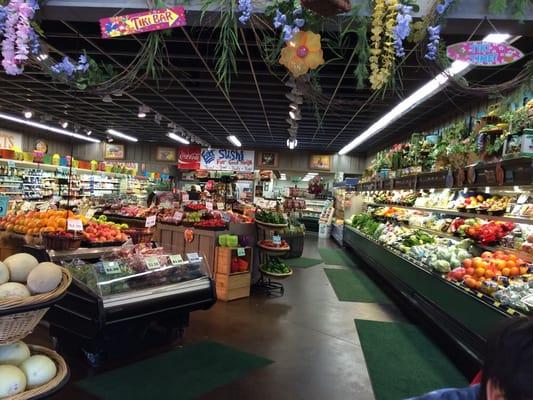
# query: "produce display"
[21,371]
[35,222]
[270,217]
[102,231]
[130,211]
[276,267]
[214,222]
[270,244]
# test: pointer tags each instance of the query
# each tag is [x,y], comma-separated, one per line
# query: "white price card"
[178,215]
[111,267]
[220,206]
[74,224]
[276,239]
[90,213]
[152,262]
[150,221]
[185,197]
[241,252]
[193,257]
[176,259]
[209,205]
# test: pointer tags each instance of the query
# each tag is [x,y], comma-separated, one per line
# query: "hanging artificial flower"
[382,50]
[289,30]
[433,42]
[302,53]
[402,28]
[68,68]
[245,8]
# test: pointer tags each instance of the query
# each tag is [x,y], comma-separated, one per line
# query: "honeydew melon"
[4,273]
[14,354]
[13,290]
[12,381]
[44,278]
[20,266]
[39,369]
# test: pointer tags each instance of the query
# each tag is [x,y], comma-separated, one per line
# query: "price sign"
[220,206]
[11,163]
[241,252]
[44,207]
[150,221]
[4,202]
[111,267]
[176,259]
[276,239]
[74,224]
[152,262]
[226,217]
[193,257]
[90,213]
[178,215]
[185,197]
[209,205]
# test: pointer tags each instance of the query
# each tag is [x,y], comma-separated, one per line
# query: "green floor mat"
[403,362]
[180,374]
[303,262]
[354,285]
[335,257]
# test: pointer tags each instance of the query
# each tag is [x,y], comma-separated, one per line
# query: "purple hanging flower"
[402,28]
[433,43]
[83,63]
[289,30]
[279,20]
[442,7]
[245,8]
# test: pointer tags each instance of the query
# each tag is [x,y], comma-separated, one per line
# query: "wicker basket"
[61,378]
[139,235]
[54,242]
[18,317]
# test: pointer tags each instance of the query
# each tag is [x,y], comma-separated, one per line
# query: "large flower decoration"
[302,53]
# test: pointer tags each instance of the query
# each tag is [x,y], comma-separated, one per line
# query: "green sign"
[152,262]
[241,252]
[176,259]
[111,267]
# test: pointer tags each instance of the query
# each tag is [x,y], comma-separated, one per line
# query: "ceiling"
[256,109]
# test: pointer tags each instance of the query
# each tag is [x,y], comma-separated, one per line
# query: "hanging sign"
[153,20]
[227,160]
[484,54]
[4,202]
[189,157]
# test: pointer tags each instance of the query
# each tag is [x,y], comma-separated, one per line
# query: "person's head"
[508,364]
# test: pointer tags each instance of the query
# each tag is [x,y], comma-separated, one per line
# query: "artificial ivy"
[517,8]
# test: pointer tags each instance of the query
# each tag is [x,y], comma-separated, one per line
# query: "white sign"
[220,206]
[209,205]
[193,257]
[111,267]
[74,224]
[178,215]
[150,221]
[10,140]
[227,160]
[152,263]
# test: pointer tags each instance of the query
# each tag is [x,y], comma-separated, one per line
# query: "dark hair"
[509,360]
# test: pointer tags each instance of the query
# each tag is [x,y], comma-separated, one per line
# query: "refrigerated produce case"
[115,296]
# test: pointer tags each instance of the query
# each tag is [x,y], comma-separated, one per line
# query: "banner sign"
[227,160]
[484,54]
[147,21]
[189,157]
[10,140]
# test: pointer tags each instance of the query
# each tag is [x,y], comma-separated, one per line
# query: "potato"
[44,278]
[4,273]
[20,266]
[13,290]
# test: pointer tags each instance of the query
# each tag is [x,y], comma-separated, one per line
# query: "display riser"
[462,316]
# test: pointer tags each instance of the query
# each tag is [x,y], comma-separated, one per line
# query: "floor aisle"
[308,334]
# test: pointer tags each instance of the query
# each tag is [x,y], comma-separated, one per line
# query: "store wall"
[29,139]
[299,161]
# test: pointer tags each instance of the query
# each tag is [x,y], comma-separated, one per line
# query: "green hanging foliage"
[517,8]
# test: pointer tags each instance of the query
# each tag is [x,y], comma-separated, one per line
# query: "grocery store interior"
[258,199]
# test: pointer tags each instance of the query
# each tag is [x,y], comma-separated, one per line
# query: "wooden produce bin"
[232,285]
[12,243]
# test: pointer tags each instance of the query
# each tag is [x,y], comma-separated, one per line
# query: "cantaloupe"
[13,290]
[12,381]
[20,266]
[39,370]
[14,354]
[44,278]
[4,273]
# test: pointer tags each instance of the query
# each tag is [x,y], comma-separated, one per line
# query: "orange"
[478,263]
[519,261]
[523,270]
[515,271]
[506,272]
[471,283]
[489,274]
[486,254]
[504,257]
[510,264]
[467,263]
[512,257]
[500,264]
[479,272]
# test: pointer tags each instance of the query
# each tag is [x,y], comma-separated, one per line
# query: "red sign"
[484,54]
[152,20]
[189,157]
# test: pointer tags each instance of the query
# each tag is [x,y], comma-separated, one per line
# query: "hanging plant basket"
[327,8]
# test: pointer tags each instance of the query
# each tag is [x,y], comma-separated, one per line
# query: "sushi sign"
[152,20]
[484,54]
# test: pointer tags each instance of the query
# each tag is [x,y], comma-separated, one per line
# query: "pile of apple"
[102,232]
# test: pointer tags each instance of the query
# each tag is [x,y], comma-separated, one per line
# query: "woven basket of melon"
[27,290]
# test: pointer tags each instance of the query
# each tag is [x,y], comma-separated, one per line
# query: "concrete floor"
[308,334]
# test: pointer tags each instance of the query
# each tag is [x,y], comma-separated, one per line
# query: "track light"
[110,139]
[292,143]
[178,138]
[291,83]
[122,135]
[158,118]
[234,140]
[295,115]
[143,110]
[28,114]
[46,127]
[64,124]
[88,132]
[107,99]
[294,106]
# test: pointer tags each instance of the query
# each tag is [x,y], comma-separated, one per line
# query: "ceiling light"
[143,110]
[122,135]
[292,143]
[42,57]
[295,115]
[64,124]
[28,114]
[177,138]
[294,106]
[107,99]
[294,99]
[141,114]
[89,132]
[429,89]
[234,140]
[46,127]
[109,139]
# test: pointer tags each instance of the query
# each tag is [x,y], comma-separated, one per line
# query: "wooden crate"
[223,257]
[233,286]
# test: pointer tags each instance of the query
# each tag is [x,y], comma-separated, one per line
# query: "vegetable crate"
[233,272]
[233,286]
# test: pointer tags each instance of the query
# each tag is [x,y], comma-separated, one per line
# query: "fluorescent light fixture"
[178,138]
[122,135]
[28,114]
[292,143]
[234,140]
[428,90]
[46,127]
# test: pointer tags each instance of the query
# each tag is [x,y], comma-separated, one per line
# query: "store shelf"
[517,220]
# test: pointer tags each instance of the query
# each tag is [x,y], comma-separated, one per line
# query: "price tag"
[152,262]
[276,239]
[4,203]
[150,221]
[510,311]
[74,224]
[185,197]
[209,205]
[11,163]
[226,217]
[44,207]
[241,252]
[480,295]
[178,215]
[220,206]
[497,304]
[111,267]
[176,259]
[90,213]
[192,257]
